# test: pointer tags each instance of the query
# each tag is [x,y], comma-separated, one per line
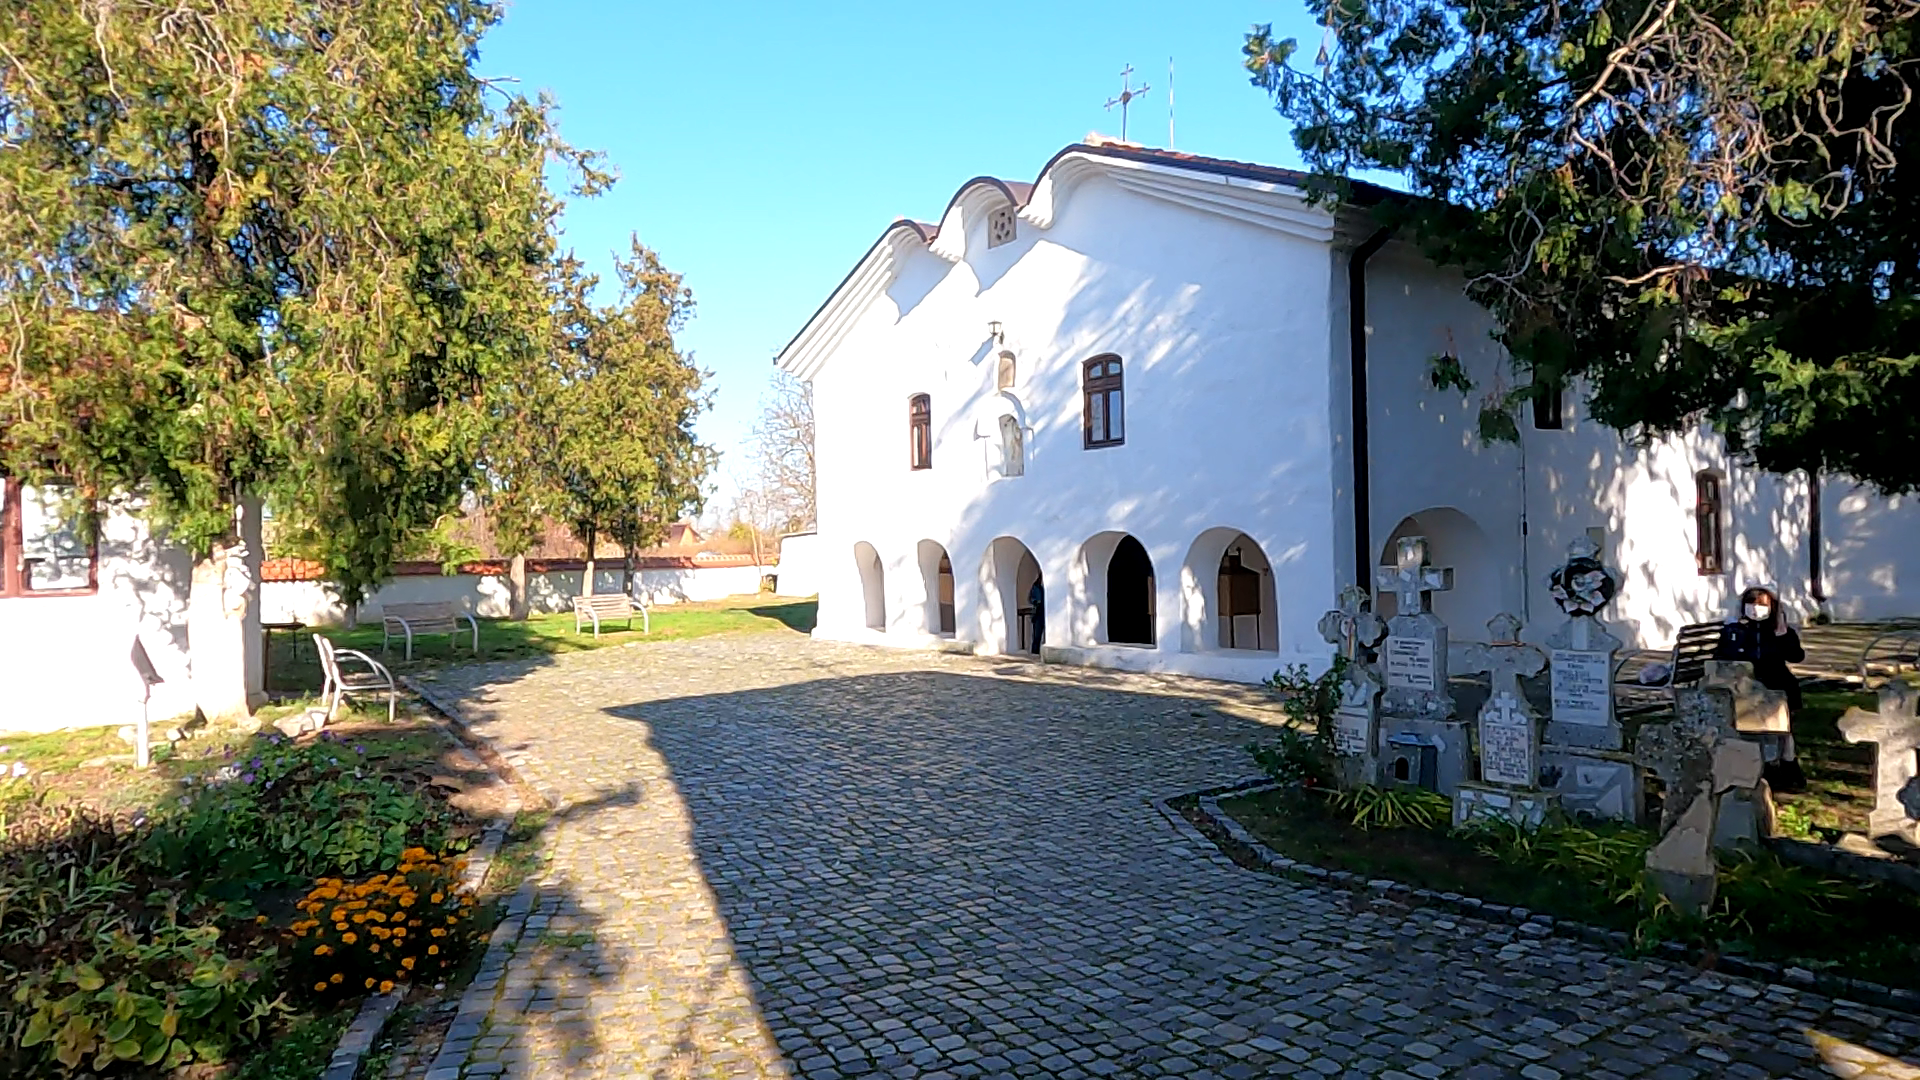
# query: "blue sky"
[762,147]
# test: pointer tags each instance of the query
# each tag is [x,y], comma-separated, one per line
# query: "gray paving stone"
[793,859]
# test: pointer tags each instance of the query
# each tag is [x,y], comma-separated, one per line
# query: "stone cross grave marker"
[1756,709]
[1712,777]
[1508,747]
[1355,631]
[1582,653]
[1895,732]
[1415,653]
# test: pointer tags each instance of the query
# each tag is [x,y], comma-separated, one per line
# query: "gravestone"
[1420,741]
[1415,653]
[1581,758]
[1713,794]
[1355,630]
[1895,732]
[1582,653]
[1756,709]
[1509,735]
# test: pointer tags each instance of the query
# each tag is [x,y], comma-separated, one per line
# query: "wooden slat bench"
[608,607]
[409,620]
[1686,664]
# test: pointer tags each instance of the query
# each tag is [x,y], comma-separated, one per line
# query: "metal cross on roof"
[1127,93]
[1411,579]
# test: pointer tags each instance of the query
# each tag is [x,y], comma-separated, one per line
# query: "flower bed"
[141,942]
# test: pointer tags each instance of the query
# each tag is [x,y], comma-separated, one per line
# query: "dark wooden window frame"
[1098,383]
[919,432]
[1549,408]
[1710,522]
[13,570]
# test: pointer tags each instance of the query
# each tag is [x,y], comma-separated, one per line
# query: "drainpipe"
[1357,353]
[1816,582]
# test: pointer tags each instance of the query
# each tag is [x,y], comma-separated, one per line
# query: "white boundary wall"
[489,596]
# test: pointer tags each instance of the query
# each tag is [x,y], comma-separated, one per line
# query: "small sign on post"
[149,678]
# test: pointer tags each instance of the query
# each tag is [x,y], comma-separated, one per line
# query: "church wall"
[1223,330]
[1426,461]
[1524,503]
[1872,549]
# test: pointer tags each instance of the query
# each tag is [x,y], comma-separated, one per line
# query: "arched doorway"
[873,585]
[1008,575]
[1227,587]
[936,571]
[1453,540]
[1129,607]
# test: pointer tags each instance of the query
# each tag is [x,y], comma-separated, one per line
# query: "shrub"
[1295,760]
[1310,701]
[293,812]
[414,923]
[165,998]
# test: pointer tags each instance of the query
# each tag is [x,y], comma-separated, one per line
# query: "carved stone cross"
[1411,580]
[1895,731]
[1352,627]
[1505,659]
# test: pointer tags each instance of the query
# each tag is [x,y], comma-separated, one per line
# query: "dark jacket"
[1768,652]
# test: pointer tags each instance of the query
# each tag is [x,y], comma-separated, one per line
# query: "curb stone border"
[371,1021]
[1529,924]
[476,1002]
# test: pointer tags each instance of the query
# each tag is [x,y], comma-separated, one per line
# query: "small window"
[1105,412]
[1549,407]
[1709,522]
[1003,375]
[46,542]
[920,432]
[1000,227]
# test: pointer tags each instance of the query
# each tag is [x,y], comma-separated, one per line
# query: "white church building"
[1194,406]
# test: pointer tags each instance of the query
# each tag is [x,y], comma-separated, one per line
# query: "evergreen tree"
[1703,209]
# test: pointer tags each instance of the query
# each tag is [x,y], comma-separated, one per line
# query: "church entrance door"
[1130,594]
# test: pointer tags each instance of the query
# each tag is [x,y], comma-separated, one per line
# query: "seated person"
[1761,637]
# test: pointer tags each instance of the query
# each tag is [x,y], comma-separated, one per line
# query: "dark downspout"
[1357,352]
[1817,584]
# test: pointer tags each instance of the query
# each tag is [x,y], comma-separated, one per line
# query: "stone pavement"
[772,857]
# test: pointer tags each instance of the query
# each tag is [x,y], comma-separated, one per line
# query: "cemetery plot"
[1765,909]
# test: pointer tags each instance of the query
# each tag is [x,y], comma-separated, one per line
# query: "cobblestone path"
[771,857]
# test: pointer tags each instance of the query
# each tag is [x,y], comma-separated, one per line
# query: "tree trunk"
[223,623]
[628,568]
[586,579]
[517,585]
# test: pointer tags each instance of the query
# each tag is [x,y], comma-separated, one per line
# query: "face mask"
[1758,612]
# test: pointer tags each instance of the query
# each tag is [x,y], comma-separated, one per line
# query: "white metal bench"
[408,620]
[1889,655]
[608,607]
[340,684]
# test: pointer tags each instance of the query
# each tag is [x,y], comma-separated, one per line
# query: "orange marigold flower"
[369,984]
[439,932]
[436,898]
[336,977]
[386,986]
[433,950]
[322,950]
[320,986]
[349,937]
[407,963]
[373,948]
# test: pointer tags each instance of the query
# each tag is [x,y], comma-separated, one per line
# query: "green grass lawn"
[1839,773]
[297,670]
